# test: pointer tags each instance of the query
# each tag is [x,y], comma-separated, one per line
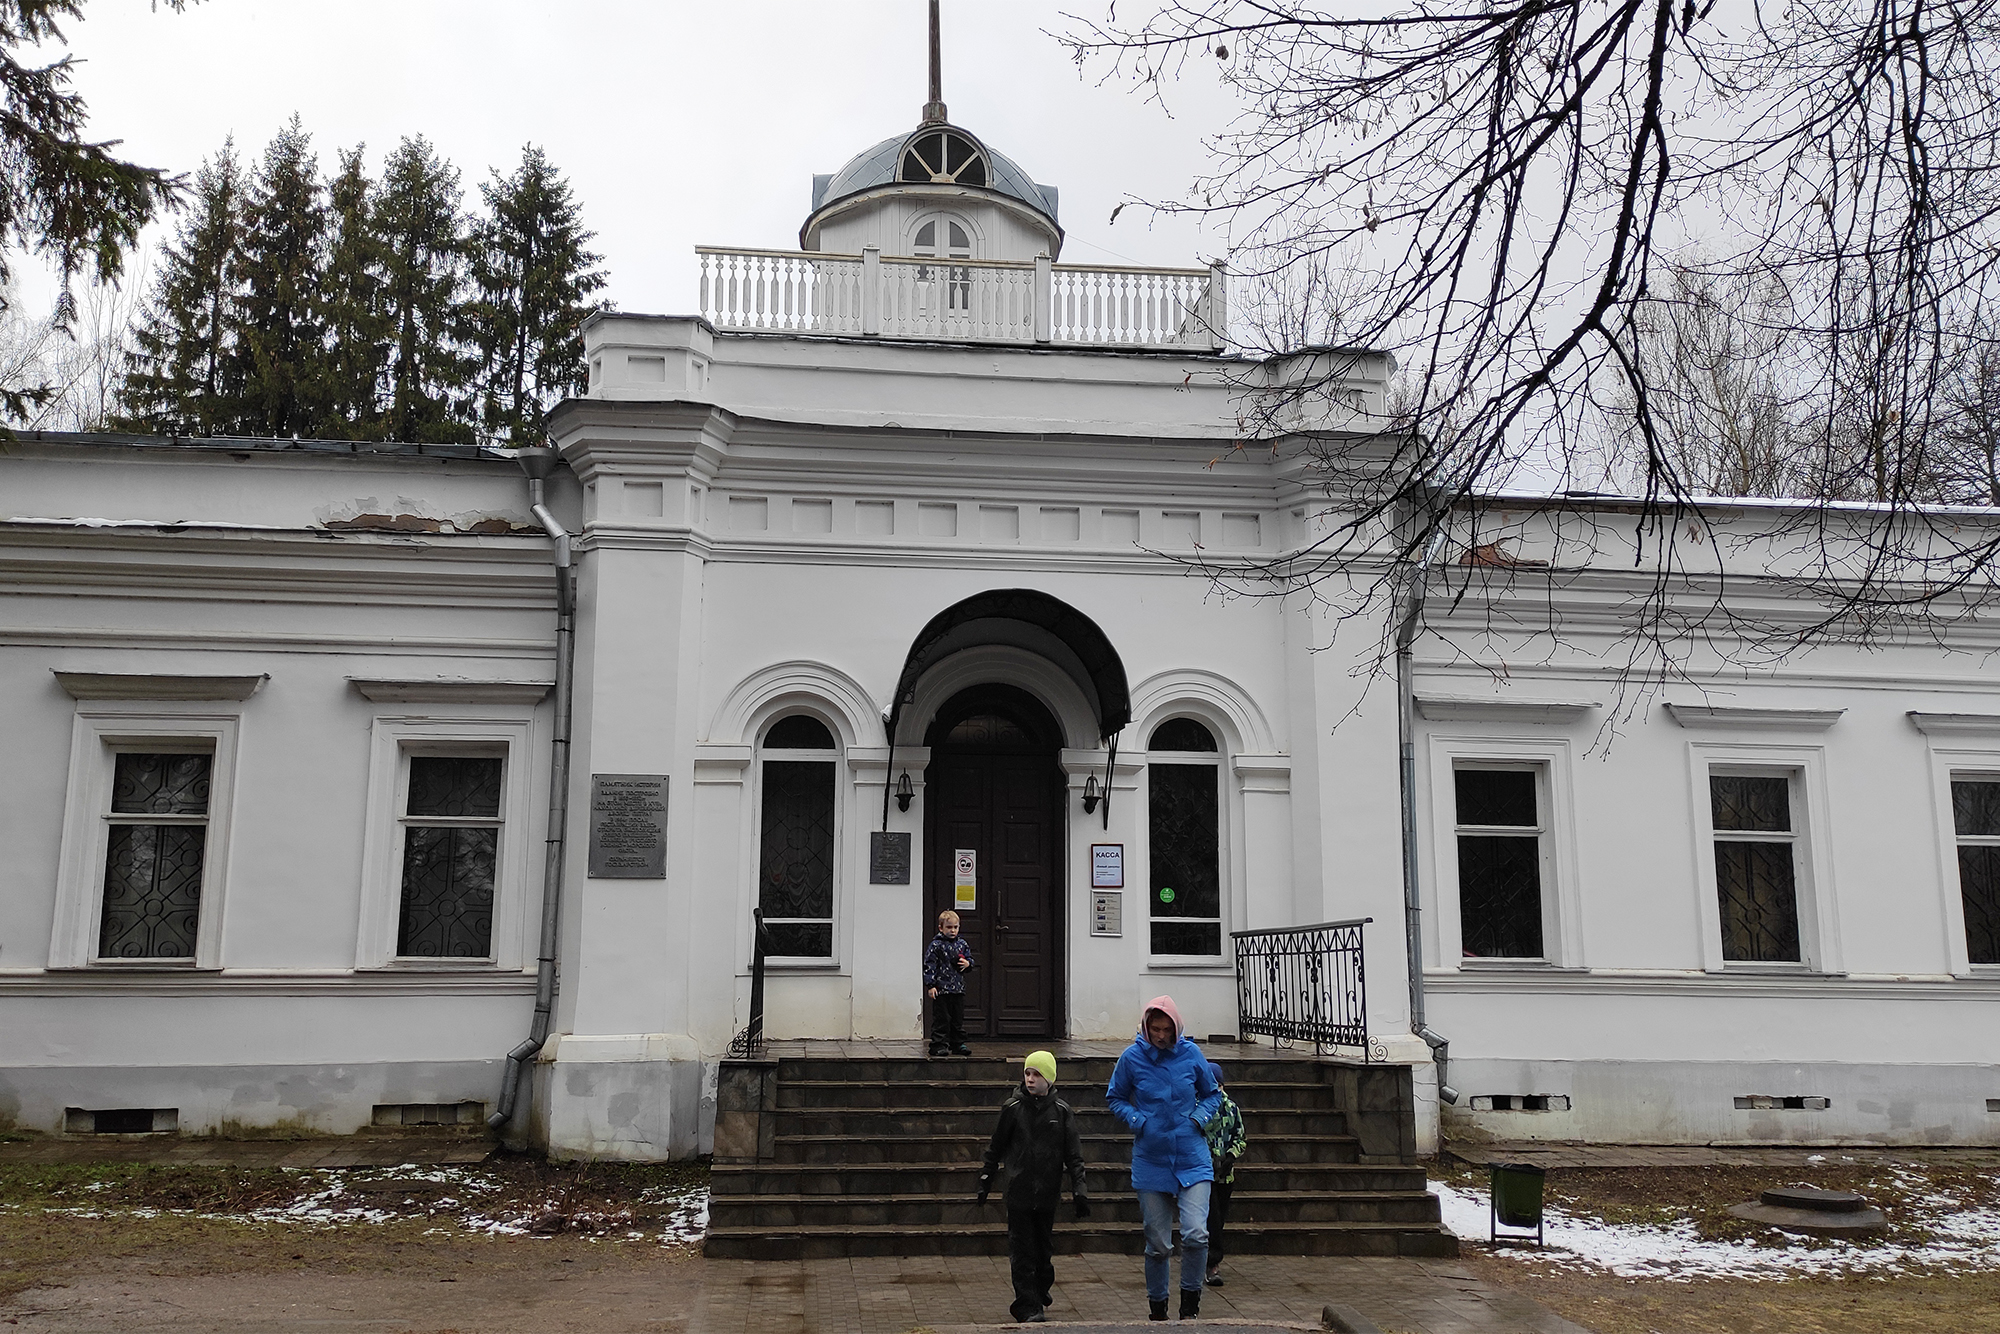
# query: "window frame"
[1810,836]
[1227,799]
[101,731]
[1555,808]
[393,740]
[1948,762]
[1538,831]
[835,760]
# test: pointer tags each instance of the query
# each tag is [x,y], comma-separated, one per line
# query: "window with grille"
[796,848]
[155,849]
[1756,866]
[1184,839]
[1501,831]
[451,843]
[1975,817]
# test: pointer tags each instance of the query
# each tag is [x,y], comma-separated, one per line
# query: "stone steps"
[879,1155]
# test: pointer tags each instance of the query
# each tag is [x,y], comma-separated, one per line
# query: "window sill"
[1190,963]
[1515,966]
[1752,968]
[794,965]
[434,966]
[135,966]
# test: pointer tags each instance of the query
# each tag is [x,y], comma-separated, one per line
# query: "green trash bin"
[1517,1199]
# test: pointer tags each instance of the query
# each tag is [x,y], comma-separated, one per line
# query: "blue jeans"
[1158,1207]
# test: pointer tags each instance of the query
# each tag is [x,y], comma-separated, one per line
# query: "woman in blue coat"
[1162,1088]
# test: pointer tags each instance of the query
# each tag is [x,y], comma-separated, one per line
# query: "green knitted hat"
[1042,1061]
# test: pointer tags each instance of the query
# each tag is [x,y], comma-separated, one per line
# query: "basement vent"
[1760,1102]
[1993,1104]
[1520,1102]
[121,1120]
[429,1113]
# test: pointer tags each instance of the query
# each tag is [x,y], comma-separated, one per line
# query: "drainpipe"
[1406,634]
[538,464]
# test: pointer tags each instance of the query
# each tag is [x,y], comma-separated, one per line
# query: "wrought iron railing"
[1303,984]
[749,1044]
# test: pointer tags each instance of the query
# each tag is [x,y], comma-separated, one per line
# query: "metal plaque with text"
[628,826]
[888,858]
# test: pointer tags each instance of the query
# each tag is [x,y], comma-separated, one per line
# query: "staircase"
[822,1154]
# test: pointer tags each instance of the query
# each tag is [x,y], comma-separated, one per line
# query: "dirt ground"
[1931,1300]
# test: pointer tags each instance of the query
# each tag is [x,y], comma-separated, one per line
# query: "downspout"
[538,464]
[1406,634]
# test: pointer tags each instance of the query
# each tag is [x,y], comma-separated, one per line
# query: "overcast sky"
[678,122]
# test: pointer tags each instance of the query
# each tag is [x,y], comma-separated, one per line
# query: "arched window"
[1184,838]
[942,236]
[796,850]
[940,157]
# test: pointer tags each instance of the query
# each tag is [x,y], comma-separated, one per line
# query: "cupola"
[935,191]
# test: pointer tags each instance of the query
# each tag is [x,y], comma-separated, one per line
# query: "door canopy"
[1026,619]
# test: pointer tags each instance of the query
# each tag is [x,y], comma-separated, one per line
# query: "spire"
[934,113]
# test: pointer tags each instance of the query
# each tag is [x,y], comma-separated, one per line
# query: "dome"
[952,155]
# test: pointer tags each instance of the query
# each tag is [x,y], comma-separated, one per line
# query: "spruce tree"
[182,378]
[281,337]
[534,280]
[417,216]
[357,325]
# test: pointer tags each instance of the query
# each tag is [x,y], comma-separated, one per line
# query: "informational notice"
[888,858]
[628,826]
[1107,866]
[1107,912]
[965,879]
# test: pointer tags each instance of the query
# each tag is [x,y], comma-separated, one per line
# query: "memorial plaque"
[888,858]
[1107,912]
[628,826]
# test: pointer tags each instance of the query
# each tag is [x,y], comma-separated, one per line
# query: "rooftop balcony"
[872,295]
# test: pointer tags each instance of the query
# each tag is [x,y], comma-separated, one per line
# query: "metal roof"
[877,167]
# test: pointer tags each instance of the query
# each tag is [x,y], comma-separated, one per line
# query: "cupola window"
[940,157]
[945,237]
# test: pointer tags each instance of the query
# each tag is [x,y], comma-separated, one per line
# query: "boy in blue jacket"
[945,961]
[1162,1088]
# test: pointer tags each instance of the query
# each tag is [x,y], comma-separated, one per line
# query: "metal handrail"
[749,1044]
[1304,984]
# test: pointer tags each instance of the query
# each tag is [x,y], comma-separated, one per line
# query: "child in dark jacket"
[945,962]
[1035,1142]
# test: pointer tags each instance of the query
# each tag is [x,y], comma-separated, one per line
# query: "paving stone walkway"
[892,1296]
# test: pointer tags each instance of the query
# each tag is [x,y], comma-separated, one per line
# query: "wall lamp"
[905,794]
[1090,797]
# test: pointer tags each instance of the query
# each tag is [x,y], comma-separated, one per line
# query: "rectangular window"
[1756,876]
[1499,830]
[1184,847]
[795,876]
[155,851]
[451,843]
[1975,817]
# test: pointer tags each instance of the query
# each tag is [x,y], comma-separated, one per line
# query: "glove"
[1081,1206]
[985,1186]
[1225,1166]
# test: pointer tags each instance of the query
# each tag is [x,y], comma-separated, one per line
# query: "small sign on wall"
[628,826]
[888,858]
[1107,866]
[1107,912]
[965,880]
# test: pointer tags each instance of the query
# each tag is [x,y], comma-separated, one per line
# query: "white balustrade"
[781,291]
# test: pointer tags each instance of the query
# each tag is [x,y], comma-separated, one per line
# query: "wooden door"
[993,789]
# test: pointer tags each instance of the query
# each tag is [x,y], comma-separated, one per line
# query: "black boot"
[1190,1303]
[1156,1310]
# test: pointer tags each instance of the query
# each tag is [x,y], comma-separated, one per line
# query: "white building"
[280,720]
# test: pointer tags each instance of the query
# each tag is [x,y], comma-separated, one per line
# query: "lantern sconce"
[1090,797]
[905,794]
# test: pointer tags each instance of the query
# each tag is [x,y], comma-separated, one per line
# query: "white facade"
[765,525]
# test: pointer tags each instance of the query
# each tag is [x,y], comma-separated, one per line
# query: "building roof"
[877,167]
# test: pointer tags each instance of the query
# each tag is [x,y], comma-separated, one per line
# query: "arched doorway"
[995,789]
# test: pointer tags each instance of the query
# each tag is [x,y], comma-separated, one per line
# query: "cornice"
[122,984]
[1729,718]
[1984,726]
[50,636]
[450,690]
[1460,708]
[141,685]
[1551,982]
[1718,679]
